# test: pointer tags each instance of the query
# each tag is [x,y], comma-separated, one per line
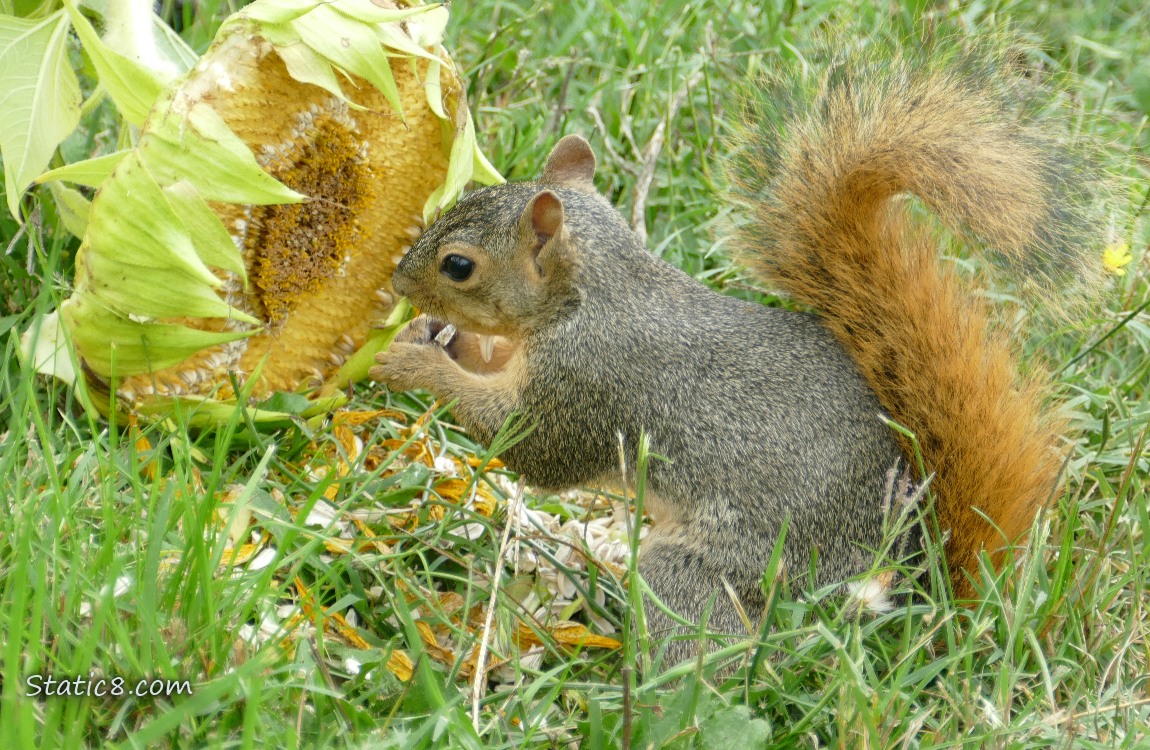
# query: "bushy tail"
[819,166]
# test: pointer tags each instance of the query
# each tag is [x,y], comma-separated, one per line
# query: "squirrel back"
[819,171]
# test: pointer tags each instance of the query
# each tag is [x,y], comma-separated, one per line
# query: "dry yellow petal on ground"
[373,540]
[334,623]
[351,446]
[451,602]
[453,489]
[574,634]
[491,463]
[151,466]
[353,418]
[567,634]
[416,451]
[236,520]
[484,503]
[400,665]
[345,546]
[431,644]
[243,553]
[467,667]
[337,546]
[460,491]
[398,662]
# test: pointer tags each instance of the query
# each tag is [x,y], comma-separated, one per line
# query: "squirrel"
[537,299]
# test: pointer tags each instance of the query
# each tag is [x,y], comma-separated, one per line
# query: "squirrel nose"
[401,283]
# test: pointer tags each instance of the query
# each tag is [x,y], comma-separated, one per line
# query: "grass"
[114,537]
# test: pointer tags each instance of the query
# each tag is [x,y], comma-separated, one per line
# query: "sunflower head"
[250,236]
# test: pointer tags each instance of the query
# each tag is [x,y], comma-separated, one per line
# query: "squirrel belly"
[558,313]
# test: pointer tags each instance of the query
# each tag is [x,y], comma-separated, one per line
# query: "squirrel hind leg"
[677,566]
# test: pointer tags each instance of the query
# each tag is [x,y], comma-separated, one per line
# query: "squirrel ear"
[571,164]
[539,225]
[546,216]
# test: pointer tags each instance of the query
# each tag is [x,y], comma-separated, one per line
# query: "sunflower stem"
[130,29]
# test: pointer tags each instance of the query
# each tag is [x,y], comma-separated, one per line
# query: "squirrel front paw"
[421,330]
[406,366]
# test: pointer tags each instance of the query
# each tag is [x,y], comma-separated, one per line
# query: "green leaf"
[485,172]
[133,86]
[278,11]
[732,728]
[44,349]
[139,257]
[205,411]
[8,322]
[352,46]
[308,66]
[465,163]
[172,46]
[107,340]
[279,34]
[358,365]
[285,403]
[460,167]
[196,145]
[90,172]
[209,235]
[131,222]
[1140,86]
[72,207]
[148,293]
[369,12]
[39,98]
[434,88]
[429,30]
[393,36]
[33,9]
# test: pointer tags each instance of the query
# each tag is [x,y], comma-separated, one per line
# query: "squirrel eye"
[457,267]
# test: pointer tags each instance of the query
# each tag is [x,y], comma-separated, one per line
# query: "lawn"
[341,581]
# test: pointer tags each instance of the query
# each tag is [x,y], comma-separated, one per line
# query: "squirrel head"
[502,261]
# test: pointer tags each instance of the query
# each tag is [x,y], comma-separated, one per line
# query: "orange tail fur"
[819,172]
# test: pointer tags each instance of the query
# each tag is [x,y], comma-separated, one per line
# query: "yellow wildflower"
[1115,257]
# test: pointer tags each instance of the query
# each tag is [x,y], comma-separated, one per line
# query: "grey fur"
[759,412]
